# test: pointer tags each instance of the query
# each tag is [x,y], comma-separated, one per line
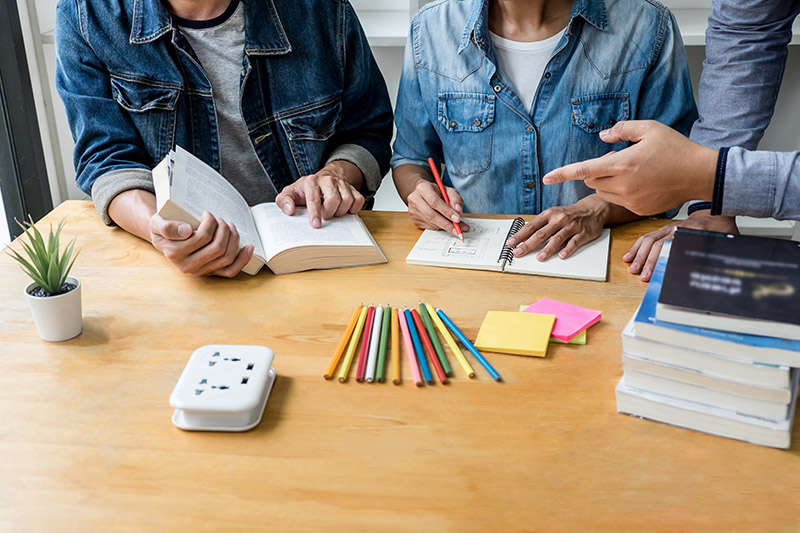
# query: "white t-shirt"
[524,63]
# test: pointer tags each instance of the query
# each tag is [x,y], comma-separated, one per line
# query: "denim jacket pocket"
[465,128]
[307,130]
[592,114]
[151,107]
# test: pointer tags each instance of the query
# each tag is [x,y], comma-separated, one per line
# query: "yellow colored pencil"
[351,348]
[450,341]
[337,355]
[395,349]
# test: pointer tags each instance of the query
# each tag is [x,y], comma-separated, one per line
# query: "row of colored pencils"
[371,329]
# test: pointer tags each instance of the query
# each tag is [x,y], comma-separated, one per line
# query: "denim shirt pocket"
[465,129]
[308,129]
[151,107]
[590,115]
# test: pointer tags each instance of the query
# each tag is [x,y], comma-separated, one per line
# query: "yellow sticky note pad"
[515,333]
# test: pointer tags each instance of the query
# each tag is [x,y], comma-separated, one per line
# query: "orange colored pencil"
[442,190]
[337,355]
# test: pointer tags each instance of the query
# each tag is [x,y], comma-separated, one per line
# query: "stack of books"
[715,343]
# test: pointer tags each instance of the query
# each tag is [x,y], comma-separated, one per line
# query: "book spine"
[507,253]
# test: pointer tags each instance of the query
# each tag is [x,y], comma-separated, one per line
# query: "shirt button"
[478,122]
[497,88]
[453,124]
[547,75]
[590,125]
[530,129]
[531,185]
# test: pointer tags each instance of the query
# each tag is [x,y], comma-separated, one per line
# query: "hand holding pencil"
[431,205]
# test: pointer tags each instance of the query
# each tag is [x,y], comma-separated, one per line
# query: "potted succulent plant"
[54,296]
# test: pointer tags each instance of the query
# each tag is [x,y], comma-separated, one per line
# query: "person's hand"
[428,210]
[211,250]
[661,171]
[565,228]
[327,194]
[643,255]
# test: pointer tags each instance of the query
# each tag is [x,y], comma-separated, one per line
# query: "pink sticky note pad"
[570,319]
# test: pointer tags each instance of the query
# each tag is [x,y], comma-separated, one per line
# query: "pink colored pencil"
[412,358]
[362,356]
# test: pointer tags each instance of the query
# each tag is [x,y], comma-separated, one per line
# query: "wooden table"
[87,444]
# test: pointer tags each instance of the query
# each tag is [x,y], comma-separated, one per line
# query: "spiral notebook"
[484,248]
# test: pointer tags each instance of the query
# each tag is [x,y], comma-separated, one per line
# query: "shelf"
[385,27]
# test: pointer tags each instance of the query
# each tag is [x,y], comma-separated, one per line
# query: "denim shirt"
[618,60]
[133,88]
[746,49]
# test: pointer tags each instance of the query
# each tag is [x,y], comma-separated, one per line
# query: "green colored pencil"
[387,312]
[437,346]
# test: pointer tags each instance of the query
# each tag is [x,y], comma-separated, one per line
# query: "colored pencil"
[437,346]
[412,358]
[396,379]
[337,355]
[426,343]
[361,371]
[451,342]
[375,339]
[465,341]
[351,348]
[423,364]
[387,318]
[442,190]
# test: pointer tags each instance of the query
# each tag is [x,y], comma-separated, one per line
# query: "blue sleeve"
[760,184]
[746,49]
[105,139]
[416,139]
[666,94]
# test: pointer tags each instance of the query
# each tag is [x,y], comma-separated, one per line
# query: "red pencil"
[426,342]
[444,194]
[362,356]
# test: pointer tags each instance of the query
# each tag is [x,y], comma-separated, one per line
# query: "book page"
[589,262]
[197,187]
[480,250]
[281,232]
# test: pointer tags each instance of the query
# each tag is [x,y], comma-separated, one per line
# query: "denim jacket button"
[478,122]
[530,129]
[453,124]
[546,75]
[497,88]
[590,125]
[531,185]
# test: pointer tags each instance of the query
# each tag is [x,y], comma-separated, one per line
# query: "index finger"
[313,196]
[599,167]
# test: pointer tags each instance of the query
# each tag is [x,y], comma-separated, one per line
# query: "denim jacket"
[618,60]
[133,88]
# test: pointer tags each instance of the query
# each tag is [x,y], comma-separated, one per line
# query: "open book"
[484,248]
[186,186]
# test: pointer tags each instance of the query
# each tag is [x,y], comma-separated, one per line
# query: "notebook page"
[589,262]
[480,250]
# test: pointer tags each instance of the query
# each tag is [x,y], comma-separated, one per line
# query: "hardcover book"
[186,186]
[732,282]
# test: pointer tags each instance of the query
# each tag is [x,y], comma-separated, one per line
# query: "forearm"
[407,177]
[132,210]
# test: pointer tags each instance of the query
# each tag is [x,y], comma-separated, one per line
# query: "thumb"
[627,130]
[173,230]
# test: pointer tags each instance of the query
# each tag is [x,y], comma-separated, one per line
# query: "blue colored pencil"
[423,364]
[465,341]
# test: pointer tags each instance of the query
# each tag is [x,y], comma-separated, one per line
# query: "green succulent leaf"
[42,260]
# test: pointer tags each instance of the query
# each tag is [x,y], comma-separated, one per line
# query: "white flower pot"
[57,318]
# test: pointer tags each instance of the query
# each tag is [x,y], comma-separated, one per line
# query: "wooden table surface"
[87,442]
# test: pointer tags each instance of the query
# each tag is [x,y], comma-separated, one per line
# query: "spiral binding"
[507,253]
